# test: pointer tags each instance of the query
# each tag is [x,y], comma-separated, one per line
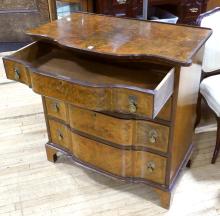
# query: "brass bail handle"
[153,136]
[132,104]
[151,166]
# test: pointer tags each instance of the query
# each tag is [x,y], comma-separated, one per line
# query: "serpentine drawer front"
[126,163]
[137,133]
[61,74]
[123,132]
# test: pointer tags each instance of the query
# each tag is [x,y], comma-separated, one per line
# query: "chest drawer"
[120,162]
[140,90]
[126,163]
[137,133]
[56,108]
[60,134]
[17,71]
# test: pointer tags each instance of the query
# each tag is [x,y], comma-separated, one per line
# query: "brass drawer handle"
[17,73]
[194,10]
[132,104]
[132,107]
[60,135]
[151,166]
[121,1]
[153,136]
[56,107]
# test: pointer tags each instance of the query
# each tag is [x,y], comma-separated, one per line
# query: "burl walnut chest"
[119,95]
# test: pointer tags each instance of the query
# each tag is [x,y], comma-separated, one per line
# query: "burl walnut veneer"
[119,95]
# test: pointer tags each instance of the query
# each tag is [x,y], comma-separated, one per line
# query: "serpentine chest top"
[119,95]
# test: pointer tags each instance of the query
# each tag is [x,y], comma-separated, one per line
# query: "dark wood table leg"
[217,146]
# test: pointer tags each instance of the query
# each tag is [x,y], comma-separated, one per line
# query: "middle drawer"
[138,133]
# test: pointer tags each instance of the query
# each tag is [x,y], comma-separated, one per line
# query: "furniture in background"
[210,79]
[78,5]
[213,4]
[120,8]
[19,15]
[118,108]
[187,10]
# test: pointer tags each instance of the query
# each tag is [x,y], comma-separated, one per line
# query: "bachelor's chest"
[119,95]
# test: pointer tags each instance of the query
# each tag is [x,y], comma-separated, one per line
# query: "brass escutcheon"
[151,166]
[17,73]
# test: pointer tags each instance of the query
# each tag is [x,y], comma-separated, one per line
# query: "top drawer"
[129,88]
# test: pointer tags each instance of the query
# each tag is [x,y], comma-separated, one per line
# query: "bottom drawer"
[120,162]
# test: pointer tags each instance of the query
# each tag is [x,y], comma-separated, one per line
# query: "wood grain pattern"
[26,174]
[124,132]
[137,89]
[60,74]
[60,134]
[125,38]
[119,131]
[186,94]
[122,163]
[57,109]
[22,75]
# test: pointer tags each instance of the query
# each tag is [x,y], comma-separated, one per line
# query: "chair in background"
[210,79]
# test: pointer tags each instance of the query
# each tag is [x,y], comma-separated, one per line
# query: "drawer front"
[56,109]
[123,163]
[131,102]
[138,133]
[102,126]
[16,71]
[87,97]
[60,134]
[151,135]
[98,99]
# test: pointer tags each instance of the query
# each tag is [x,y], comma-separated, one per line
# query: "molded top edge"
[126,39]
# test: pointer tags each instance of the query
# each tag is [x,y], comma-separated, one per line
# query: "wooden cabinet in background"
[120,8]
[189,10]
[186,10]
